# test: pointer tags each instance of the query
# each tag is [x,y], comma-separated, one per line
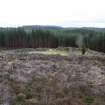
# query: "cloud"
[55,12]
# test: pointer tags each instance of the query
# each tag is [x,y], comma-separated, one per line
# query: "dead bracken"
[52,79]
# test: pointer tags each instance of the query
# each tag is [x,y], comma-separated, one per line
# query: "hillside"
[52,77]
[54,28]
[37,36]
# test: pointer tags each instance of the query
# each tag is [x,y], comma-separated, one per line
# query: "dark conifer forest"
[51,37]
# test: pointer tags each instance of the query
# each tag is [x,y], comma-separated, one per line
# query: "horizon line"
[17,26]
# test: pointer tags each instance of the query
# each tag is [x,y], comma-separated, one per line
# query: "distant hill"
[34,27]
[95,29]
[29,28]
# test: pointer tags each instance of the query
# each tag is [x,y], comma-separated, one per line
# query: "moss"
[20,99]
[89,100]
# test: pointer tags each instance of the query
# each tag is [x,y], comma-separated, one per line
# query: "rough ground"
[30,78]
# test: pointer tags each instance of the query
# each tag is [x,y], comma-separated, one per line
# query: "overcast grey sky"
[67,13]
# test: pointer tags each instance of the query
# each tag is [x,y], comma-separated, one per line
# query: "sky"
[65,13]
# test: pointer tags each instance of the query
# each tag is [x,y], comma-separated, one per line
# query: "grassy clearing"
[62,51]
[51,52]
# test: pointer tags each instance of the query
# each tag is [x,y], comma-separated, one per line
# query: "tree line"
[39,38]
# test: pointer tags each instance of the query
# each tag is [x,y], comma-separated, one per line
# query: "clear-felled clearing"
[52,77]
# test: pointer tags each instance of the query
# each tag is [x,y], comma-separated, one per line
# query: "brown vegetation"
[37,79]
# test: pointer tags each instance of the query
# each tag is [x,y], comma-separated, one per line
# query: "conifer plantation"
[51,38]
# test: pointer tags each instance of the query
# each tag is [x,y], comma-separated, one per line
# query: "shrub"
[83,50]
